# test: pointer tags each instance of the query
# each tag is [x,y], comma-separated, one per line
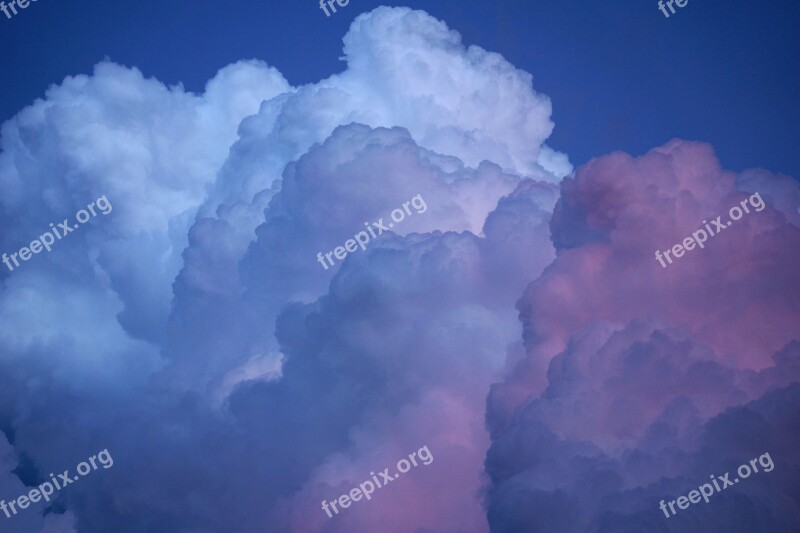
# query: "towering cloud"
[192,331]
[634,375]
[237,383]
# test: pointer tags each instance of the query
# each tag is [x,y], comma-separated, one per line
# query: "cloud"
[236,382]
[476,153]
[630,369]
[12,488]
[409,328]
[192,331]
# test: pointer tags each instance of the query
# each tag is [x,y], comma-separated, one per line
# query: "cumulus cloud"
[407,330]
[11,486]
[152,151]
[193,333]
[631,369]
[477,117]
[237,382]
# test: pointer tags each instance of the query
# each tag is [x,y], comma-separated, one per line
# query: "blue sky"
[620,75]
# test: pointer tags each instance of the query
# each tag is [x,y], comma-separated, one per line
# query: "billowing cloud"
[192,331]
[632,369]
[401,337]
[237,382]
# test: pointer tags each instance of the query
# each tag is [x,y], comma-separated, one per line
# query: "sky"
[446,267]
[621,77]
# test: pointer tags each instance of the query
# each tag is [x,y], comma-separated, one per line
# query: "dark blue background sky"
[621,76]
